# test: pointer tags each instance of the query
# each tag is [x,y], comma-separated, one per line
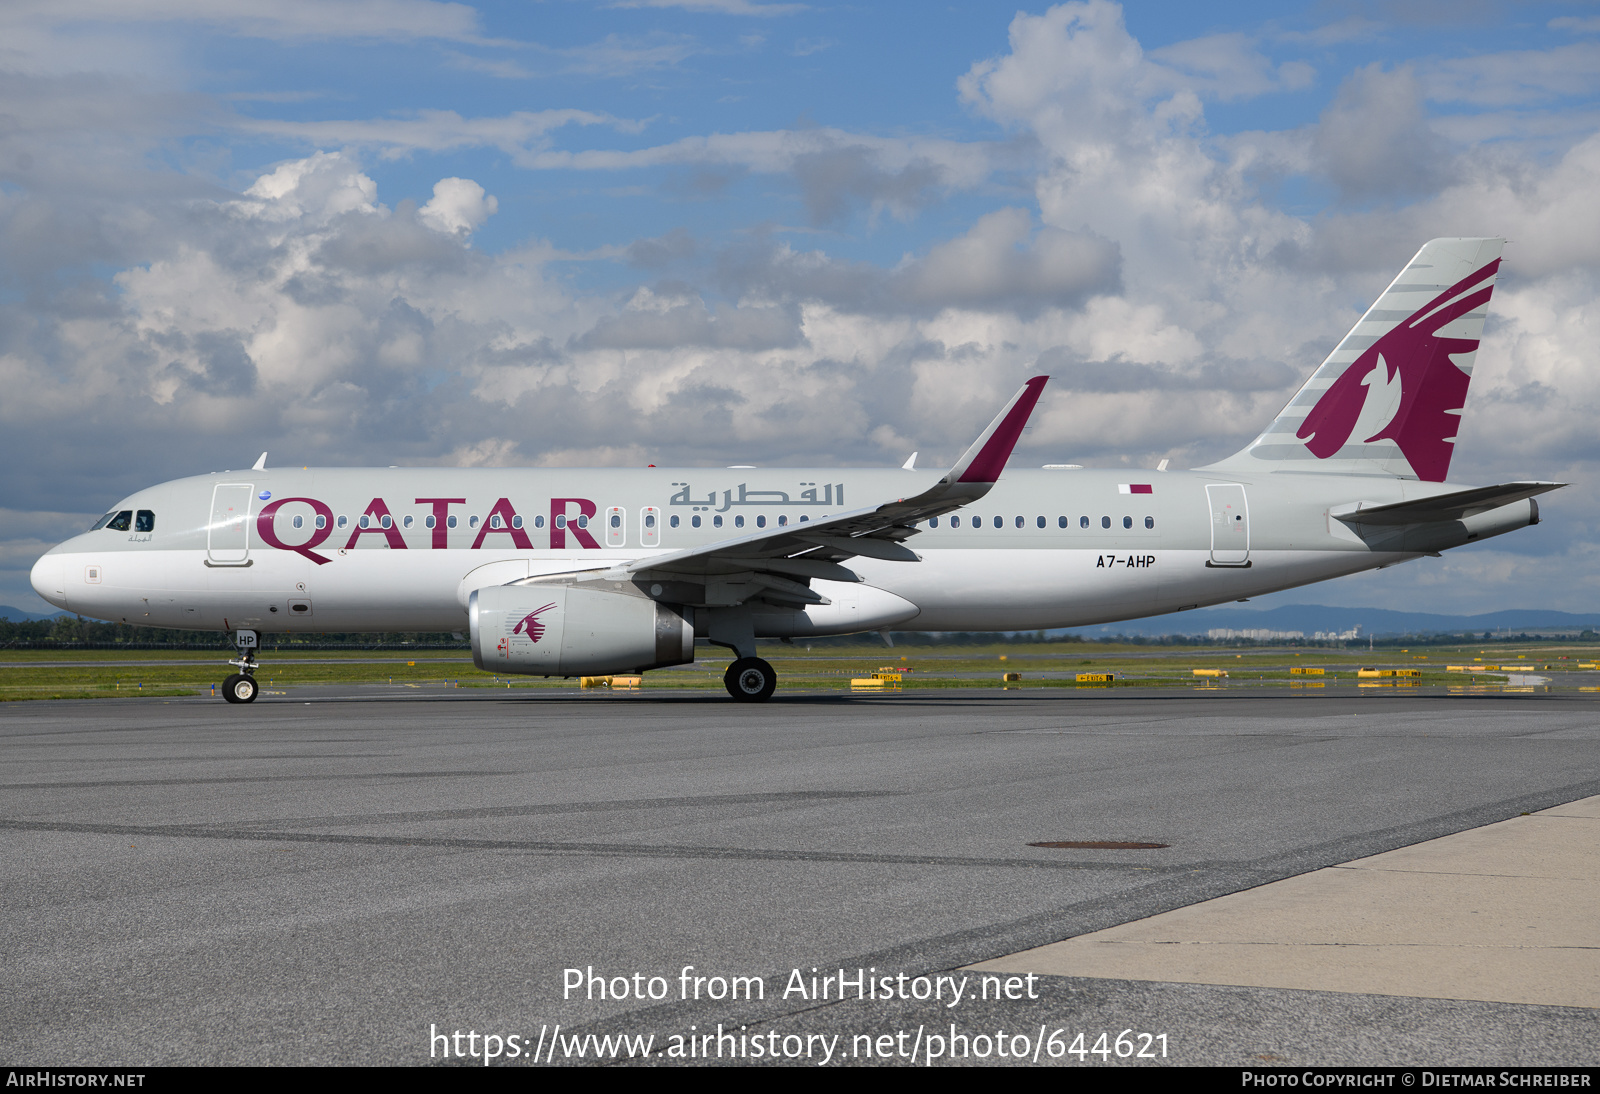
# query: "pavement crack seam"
[250,779]
[709,800]
[622,850]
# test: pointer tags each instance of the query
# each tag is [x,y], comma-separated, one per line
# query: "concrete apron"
[1508,913]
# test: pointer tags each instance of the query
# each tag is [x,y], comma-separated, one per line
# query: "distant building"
[1264,635]
[1255,635]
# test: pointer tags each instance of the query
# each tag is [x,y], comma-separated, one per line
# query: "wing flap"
[874,532]
[776,562]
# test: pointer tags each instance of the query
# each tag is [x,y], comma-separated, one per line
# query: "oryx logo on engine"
[529,624]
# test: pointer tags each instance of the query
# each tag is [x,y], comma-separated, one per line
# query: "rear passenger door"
[1230,524]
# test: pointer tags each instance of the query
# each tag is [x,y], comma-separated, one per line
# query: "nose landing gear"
[241,687]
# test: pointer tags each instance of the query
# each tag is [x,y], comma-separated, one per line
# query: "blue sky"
[566,233]
[667,74]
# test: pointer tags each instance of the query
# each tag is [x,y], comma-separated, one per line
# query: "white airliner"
[565,573]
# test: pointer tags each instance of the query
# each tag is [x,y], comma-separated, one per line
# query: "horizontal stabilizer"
[1457,505]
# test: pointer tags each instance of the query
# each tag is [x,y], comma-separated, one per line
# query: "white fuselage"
[286,550]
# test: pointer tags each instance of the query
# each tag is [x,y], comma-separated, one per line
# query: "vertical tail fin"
[1388,399]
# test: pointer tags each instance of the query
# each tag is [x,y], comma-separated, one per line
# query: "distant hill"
[17,615]
[1311,618]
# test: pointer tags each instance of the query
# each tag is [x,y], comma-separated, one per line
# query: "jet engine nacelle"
[557,630]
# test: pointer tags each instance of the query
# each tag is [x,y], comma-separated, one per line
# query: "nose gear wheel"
[240,688]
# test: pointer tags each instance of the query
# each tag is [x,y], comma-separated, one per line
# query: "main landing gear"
[750,680]
[241,687]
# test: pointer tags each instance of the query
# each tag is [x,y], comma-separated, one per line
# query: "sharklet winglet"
[986,458]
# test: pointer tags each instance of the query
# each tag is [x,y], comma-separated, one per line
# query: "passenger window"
[494,521]
[122,521]
[145,521]
[1105,522]
[450,522]
[1000,522]
[804,518]
[342,521]
[695,520]
[738,522]
[430,521]
[933,522]
[538,522]
[716,521]
[1019,521]
[472,522]
[1127,522]
[1040,522]
[561,521]
[366,521]
[649,520]
[299,522]
[955,522]
[1083,522]
[516,522]
[616,520]
[408,521]
[1149,522]
[387,521]
[761,521]
[674,520]
[583,521]
[322,521]
[783,521]
[1061,522]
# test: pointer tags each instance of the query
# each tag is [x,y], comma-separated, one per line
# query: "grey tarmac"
[326,876]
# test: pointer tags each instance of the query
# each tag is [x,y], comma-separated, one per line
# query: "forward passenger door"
[228,534]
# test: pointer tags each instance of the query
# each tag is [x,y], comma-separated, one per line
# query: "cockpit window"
[144,521]
[122,521]
[103,521]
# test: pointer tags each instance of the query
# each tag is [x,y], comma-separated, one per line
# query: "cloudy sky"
[738,231]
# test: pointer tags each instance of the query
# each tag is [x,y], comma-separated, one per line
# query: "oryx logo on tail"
[530,624]
[1405,387]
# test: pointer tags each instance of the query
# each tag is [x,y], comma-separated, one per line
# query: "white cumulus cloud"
[457,206]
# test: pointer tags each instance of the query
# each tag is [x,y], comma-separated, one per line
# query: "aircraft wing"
[1443,507]
[778,556]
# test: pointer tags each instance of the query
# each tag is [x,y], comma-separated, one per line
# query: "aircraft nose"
[49,579]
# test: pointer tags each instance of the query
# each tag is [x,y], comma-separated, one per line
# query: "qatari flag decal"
[1135,488]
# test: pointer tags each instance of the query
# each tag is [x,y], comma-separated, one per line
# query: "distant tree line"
[71,632]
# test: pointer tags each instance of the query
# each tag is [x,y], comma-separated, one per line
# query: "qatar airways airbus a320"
[564,573]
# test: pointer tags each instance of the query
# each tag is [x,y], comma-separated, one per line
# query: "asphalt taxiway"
[332,876]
